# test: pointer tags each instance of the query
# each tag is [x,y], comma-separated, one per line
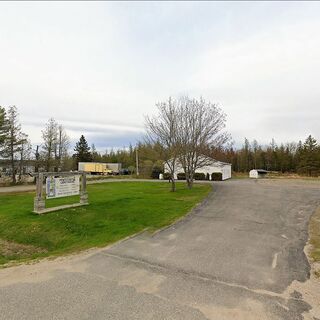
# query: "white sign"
[62,187]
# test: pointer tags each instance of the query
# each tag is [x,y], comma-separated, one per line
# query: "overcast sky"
[99,67]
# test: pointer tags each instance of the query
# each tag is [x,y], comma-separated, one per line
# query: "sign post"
[84,193]
[57,185]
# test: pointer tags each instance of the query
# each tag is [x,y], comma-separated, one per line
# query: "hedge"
[181,176]
[216,176]
[166,176]
[199,176]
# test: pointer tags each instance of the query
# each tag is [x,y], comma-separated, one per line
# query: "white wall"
[253,174]
[224,169]
[226,172]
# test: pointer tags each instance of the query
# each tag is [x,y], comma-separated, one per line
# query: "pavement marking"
[275,259]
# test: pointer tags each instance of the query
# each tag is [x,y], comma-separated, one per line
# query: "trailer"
[94,168]
[115,167]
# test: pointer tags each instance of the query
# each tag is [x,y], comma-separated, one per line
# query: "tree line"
[184,131]
[292,157]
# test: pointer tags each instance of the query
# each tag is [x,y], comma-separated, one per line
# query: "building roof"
[260,171]
[221,163]
[214,162]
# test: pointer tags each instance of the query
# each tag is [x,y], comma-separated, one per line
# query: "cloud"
[268,82]
[99,67]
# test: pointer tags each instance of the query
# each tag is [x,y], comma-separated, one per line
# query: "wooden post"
[39,202]
[84,193]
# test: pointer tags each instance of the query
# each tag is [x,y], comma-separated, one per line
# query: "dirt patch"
[310,290]
[11,249]
[249,310]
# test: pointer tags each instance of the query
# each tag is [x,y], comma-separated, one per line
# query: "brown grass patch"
[11,249]
[314,232]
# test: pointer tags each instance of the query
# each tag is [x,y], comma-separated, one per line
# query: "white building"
[257,173]
[214,167]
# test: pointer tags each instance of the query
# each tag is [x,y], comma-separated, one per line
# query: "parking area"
[240,255]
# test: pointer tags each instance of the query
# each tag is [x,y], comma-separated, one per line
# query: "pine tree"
[309,158]
[82,151]
[3,127]
[13,140]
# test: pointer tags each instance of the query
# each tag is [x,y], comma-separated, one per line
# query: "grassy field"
[116,210]
[276,175]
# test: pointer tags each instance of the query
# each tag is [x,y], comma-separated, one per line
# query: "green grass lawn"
[116,210]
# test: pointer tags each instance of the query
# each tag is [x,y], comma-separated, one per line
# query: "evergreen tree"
[82,151]
[13,140]
[3,127]
[309,158]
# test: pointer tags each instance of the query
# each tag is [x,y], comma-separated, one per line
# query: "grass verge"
[116,210]
[314,233]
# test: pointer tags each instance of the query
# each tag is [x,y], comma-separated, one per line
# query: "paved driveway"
[239,256]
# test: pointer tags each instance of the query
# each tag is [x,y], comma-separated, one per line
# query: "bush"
[207,176]
[216,176]
[166,176]
[156,172]
[181,176]
[199,176]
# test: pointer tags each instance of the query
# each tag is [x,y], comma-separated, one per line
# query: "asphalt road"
[236,256]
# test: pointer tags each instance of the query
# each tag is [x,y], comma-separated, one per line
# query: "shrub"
[166,176]
[181,176]
[216,176]
[199,176]
[207,176]
[155,172]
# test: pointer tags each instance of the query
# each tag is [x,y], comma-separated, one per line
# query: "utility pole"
[137,162]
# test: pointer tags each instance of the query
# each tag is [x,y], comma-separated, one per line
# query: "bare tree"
[187,129]
[37,159]
[24,152]
[200,128]
[55,146]
[163,129]
[50,138]
[61,147]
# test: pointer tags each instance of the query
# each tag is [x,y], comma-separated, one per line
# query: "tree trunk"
[190,181]
[173,184]
[13,171]
[20,169]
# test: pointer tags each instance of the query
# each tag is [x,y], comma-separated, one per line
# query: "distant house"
[214,166]
[257,173]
